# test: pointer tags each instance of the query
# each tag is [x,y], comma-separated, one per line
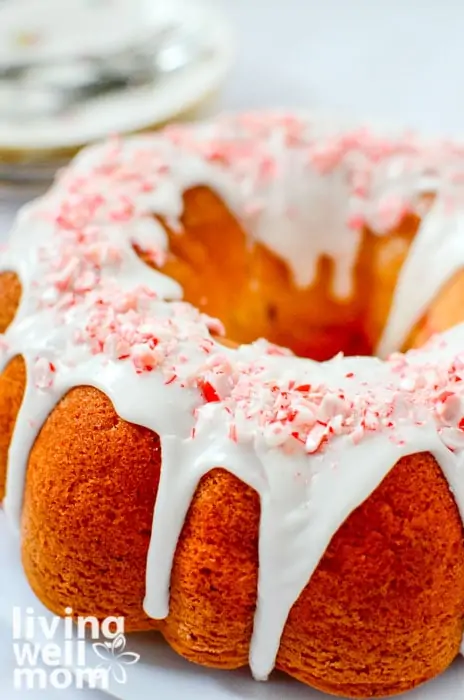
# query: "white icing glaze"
[435,255]
[302,434]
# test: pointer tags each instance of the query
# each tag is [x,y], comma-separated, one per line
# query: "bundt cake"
[306,515]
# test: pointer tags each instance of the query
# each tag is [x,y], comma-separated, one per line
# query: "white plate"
[161,673]
[109,26]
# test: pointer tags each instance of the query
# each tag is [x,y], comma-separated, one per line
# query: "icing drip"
[436,254]
[302,434]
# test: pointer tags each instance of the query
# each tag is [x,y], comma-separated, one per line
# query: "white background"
[389,59]
[400,60]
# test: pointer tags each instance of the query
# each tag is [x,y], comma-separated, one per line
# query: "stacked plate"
[73,72]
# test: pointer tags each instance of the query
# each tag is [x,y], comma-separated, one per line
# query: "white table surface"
[387,59]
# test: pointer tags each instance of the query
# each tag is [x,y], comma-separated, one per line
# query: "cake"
[165,463]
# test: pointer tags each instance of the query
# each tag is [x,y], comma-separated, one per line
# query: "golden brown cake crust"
[12,385]
[13,379]
[10,295]
[88,509]
[392,575]
[391,580]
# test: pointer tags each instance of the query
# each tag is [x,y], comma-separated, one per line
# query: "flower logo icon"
[115,657]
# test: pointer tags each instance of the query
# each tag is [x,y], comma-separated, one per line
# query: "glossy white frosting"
[302,434]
